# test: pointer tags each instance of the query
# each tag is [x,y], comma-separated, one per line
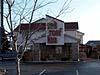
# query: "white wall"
[76,34]
[69,40]
[21,38]
[79,35]
[71,33]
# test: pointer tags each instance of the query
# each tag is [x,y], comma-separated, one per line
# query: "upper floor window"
[54,32]
[52,25]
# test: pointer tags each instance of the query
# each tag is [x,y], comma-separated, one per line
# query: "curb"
[49,62]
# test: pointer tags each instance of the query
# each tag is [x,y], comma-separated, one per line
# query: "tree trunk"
[18,67]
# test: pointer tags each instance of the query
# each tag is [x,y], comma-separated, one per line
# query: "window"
[54,32]
[52,39]
[58,50]
[52,25]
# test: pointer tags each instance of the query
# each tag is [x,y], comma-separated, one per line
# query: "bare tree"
[18,11]
[10,24]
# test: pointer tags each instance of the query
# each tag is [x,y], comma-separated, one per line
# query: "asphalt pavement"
[68,68]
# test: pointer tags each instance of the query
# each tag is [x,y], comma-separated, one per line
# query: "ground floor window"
[58,50]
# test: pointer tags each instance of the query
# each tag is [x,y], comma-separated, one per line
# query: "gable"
[54,18]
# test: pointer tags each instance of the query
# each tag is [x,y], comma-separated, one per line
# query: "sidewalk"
[48,62]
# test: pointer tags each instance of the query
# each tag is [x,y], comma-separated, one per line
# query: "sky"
[88,16]
[85,12]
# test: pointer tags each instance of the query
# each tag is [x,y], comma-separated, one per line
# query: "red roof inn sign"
[54,33]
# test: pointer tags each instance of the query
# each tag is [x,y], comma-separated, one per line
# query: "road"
[76,68]
[80,68]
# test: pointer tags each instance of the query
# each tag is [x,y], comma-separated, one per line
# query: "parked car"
[8,55]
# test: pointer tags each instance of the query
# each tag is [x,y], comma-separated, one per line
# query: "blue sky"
[86,13]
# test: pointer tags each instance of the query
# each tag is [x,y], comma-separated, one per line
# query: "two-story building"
[51,39]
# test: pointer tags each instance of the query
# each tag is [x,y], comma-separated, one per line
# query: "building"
[93,43]
[95,51]
[51,39]
[85,52]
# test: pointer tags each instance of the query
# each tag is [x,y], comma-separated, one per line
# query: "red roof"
[71,26]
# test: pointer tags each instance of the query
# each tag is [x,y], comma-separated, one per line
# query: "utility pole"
[1,22]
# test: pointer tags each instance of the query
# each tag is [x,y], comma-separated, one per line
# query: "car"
[8,55]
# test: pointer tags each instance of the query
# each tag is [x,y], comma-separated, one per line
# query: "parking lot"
[67,68]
